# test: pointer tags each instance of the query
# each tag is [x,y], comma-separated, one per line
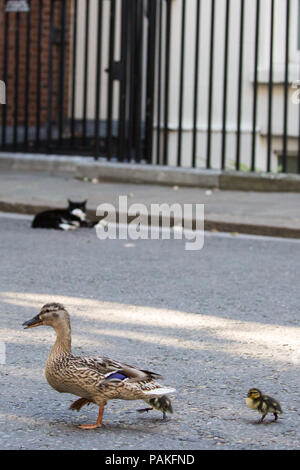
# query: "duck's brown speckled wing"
[107,367]
[106,378]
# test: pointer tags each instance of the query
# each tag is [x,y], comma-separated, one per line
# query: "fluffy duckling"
[162,404]
[264,404]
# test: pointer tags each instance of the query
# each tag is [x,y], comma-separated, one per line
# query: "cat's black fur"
[63,219]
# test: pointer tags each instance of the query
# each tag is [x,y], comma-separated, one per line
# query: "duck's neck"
[63,339]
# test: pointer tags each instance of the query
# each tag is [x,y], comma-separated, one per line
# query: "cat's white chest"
[79,213]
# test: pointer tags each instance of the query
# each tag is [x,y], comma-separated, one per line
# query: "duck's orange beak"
[35,321]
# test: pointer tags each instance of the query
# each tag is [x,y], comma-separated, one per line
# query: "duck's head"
[254,393]
[53,314]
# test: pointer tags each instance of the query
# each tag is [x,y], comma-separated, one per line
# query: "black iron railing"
[264,60]
[195,83]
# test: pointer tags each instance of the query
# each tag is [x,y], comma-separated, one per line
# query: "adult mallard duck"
[94,379]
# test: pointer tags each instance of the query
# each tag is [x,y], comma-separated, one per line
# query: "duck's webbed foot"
[145,410]
[78,404]
[90,426]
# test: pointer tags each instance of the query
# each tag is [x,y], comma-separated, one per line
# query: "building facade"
[211,83]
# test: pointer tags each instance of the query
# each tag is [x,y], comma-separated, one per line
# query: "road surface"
[214,323]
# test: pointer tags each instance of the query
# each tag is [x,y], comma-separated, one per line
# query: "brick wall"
[25,71]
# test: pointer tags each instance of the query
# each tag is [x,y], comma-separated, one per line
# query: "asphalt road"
[214,323]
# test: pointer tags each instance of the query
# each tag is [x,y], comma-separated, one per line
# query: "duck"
[162,404]
[94,379]
[264,404]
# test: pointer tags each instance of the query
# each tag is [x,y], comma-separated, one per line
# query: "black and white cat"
[71,218]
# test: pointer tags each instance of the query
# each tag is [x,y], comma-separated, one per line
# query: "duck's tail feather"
[78,404]
[158,392]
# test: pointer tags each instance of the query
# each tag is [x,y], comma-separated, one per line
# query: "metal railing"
[193,83]
[236,103]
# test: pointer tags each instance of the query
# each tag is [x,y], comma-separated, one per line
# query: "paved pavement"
[274,214]
[214,323]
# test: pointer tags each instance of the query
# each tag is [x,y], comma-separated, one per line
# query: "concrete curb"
[29,162]
[261,182]
[150,174]
[209,224]
[85,167]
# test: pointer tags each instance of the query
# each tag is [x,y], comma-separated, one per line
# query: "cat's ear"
[84,203]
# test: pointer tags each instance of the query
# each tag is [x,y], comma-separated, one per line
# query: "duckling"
[94,379]
[264,404]
[162,404]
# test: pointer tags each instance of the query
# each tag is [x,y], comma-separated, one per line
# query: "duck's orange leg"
[98,423]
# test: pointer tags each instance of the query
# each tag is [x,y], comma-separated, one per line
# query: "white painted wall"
[248,71]
[204,52]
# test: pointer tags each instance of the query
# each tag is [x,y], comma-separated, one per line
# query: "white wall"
[248,75]
[204,54]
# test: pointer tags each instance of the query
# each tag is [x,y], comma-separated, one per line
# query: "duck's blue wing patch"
[116,376]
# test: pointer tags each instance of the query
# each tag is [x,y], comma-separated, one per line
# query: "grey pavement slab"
[154,174]
[214,323]
[249,212]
